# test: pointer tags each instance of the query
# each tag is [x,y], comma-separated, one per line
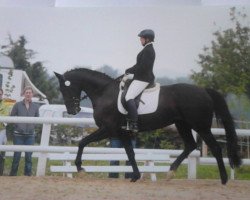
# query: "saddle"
[146,102]
[138,98]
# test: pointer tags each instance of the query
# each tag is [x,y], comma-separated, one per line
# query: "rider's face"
[143,41]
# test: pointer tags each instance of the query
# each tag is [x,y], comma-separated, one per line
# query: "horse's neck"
[94,88]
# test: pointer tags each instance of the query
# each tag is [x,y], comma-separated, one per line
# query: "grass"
[203,171]
[212,172]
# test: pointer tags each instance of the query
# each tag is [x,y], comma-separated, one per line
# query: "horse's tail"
[221,111]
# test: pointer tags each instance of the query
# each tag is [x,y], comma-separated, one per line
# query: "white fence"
[148,156]
[44,147]
[46,130]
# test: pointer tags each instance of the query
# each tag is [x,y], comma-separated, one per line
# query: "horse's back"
[191,102]
[184,91]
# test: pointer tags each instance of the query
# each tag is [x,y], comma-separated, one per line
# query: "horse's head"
[71,94]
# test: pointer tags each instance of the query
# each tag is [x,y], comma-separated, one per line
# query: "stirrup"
[132,126]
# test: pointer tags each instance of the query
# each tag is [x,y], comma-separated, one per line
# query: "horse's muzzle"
[74,111]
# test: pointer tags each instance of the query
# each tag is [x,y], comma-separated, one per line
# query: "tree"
[18,53]
[47,84]
[226,65]
[37,73]
[169,81]
[109,71]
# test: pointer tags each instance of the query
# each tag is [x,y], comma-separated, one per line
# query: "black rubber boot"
[132,116]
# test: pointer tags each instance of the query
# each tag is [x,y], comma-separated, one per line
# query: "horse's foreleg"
[126,140]
[96,136]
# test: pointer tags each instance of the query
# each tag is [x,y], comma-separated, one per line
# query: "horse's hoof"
[170,175]
[80,169]
[135,178]
[81,174]
[224,181]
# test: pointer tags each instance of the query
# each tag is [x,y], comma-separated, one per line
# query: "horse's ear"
[59,76]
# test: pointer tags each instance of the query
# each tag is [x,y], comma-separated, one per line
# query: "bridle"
[76,101]
[84,97]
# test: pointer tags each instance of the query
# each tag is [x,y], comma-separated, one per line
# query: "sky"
[66,37]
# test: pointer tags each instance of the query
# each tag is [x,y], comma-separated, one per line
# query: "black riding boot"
[132,116]
[2,159]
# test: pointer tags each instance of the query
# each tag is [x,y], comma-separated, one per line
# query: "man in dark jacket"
[143,75]
[24,134]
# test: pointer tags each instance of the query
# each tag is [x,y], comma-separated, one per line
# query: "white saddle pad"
[149,101]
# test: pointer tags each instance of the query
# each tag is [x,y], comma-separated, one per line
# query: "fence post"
[232,174]
[192,161]
[192,164]
[67,163]
[42,159]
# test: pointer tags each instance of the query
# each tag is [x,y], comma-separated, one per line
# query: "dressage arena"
[53,188]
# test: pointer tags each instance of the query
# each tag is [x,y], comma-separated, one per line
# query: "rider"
[143,75]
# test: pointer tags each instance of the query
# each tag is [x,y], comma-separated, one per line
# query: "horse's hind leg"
[209,139]
[189,145]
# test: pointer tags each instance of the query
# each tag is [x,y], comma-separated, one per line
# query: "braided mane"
[88,72]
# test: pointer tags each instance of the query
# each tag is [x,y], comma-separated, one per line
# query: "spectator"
[4,111]
[117,143]
[24,134]
[3,138]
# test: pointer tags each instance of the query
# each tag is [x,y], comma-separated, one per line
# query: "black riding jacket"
[143,69]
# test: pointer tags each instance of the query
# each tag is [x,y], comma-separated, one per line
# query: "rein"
[84,97]
[95,91]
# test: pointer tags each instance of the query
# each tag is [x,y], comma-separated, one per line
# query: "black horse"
[187,106]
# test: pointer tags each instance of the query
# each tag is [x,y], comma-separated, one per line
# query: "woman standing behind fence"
[5,107]
[3,138]
[24,134]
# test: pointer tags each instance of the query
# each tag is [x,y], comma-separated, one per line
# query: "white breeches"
[135,88]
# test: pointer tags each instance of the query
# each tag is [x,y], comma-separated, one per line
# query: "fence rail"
[44,147]
[46,130]
[47,120]
[68,154]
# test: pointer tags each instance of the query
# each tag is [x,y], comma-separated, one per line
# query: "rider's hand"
[121,85]
[125,78]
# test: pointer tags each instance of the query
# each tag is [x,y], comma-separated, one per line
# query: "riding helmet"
[147,34]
